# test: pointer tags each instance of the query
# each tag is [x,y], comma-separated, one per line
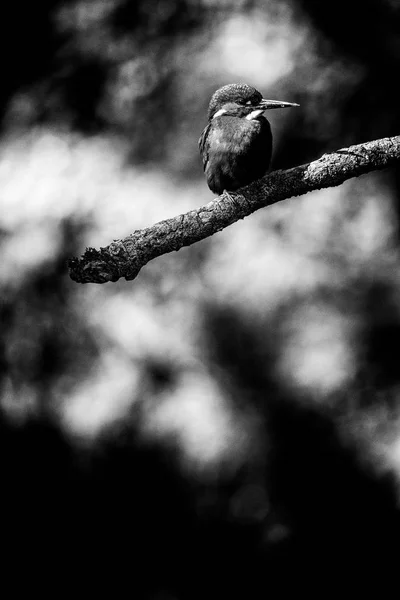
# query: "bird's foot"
[234,197]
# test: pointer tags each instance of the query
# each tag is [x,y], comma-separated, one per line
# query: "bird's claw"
[233,197]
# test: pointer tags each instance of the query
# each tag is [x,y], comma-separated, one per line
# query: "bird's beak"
[269,104]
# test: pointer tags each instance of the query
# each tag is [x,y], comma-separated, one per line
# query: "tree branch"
[125,258]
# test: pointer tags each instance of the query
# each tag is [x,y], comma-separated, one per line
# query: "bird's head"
[241,100]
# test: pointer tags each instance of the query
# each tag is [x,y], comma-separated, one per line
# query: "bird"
[236,144]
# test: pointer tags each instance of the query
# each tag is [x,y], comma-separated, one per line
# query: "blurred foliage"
[228,423]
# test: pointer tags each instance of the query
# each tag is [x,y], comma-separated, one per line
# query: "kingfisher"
[236,145]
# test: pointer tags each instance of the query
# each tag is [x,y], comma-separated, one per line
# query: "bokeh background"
[228,424]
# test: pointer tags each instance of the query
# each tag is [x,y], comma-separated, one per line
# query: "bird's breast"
[231,134]
[238,150]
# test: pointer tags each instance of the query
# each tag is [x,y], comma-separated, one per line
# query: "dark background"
[227,425]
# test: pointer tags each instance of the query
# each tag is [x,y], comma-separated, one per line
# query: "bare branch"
[125,258]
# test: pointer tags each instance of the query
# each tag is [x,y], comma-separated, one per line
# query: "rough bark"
[125,257]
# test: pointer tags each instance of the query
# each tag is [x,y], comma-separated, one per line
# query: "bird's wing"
[204,146]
